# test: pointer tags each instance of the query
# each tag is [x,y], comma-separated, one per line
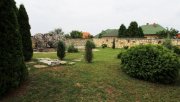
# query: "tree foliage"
[88,51]
[61,50]
[168,33]
[12,67]
[57,31]
[122,31]
[24,28]
[133,31]
[102,33]
[76,34]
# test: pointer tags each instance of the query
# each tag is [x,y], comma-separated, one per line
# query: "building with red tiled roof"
[86,35]
[178,36]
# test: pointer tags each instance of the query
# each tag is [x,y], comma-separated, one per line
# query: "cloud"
[96,15]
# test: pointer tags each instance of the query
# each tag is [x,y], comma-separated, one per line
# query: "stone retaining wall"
[131,42]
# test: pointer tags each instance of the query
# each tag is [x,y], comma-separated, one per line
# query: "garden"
[99,81]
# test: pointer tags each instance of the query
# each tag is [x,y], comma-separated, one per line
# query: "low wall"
[119,43]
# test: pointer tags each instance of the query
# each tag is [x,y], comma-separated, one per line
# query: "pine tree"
[61,50]
[122,31]
[88,52]
[141,33]
[12,67]
[133,30]
[24,28]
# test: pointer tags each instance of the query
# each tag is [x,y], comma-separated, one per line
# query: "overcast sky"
[96,15]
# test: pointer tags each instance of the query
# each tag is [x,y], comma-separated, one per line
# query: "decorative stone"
[77,60]
[63,62]
[40,66]
[71,63]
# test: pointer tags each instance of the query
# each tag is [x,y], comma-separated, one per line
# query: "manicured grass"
[100,81]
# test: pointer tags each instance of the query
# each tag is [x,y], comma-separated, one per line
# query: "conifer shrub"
[113,44]
[24,29]
[61,50]
[93,45]
[88,52]
[153,63]
[12,67]
[72,49]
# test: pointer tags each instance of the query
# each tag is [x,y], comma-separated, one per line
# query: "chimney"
[154,24]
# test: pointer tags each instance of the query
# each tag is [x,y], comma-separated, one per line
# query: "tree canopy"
[24,28]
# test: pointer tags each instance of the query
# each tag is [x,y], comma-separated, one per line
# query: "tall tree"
[24,28]
[12,67]
[76,34]
[57,31]
[141,33]
[122,31]
[133,30]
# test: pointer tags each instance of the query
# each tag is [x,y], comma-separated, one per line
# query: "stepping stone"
[71,63]
[63,62]
[40,66]
[96,50]
[77,60]
[31,62]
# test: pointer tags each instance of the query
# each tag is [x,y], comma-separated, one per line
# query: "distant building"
[110,33]
[86,35]
[178,36]
[150,30]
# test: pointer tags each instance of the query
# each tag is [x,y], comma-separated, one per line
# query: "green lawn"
[100,81]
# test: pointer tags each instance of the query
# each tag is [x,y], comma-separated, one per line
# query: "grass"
[100,81]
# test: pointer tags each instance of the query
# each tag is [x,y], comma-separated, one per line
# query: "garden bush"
[61,50]
[88,52]
[72,49]
[176,50]
[126,47]
[122,51]
[104,46]
[93,45]
[168,44]
[113,44]
[153,63]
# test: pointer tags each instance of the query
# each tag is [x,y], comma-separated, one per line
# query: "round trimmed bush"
[72,49]
[104,46]
[153,63]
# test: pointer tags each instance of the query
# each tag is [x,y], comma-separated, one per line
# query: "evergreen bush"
[88,52]
[12,67]
[113,44]
[93,45]
[61,50]
[24,28]
[151,62]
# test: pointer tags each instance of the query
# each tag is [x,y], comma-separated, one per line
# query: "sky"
[96,15]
